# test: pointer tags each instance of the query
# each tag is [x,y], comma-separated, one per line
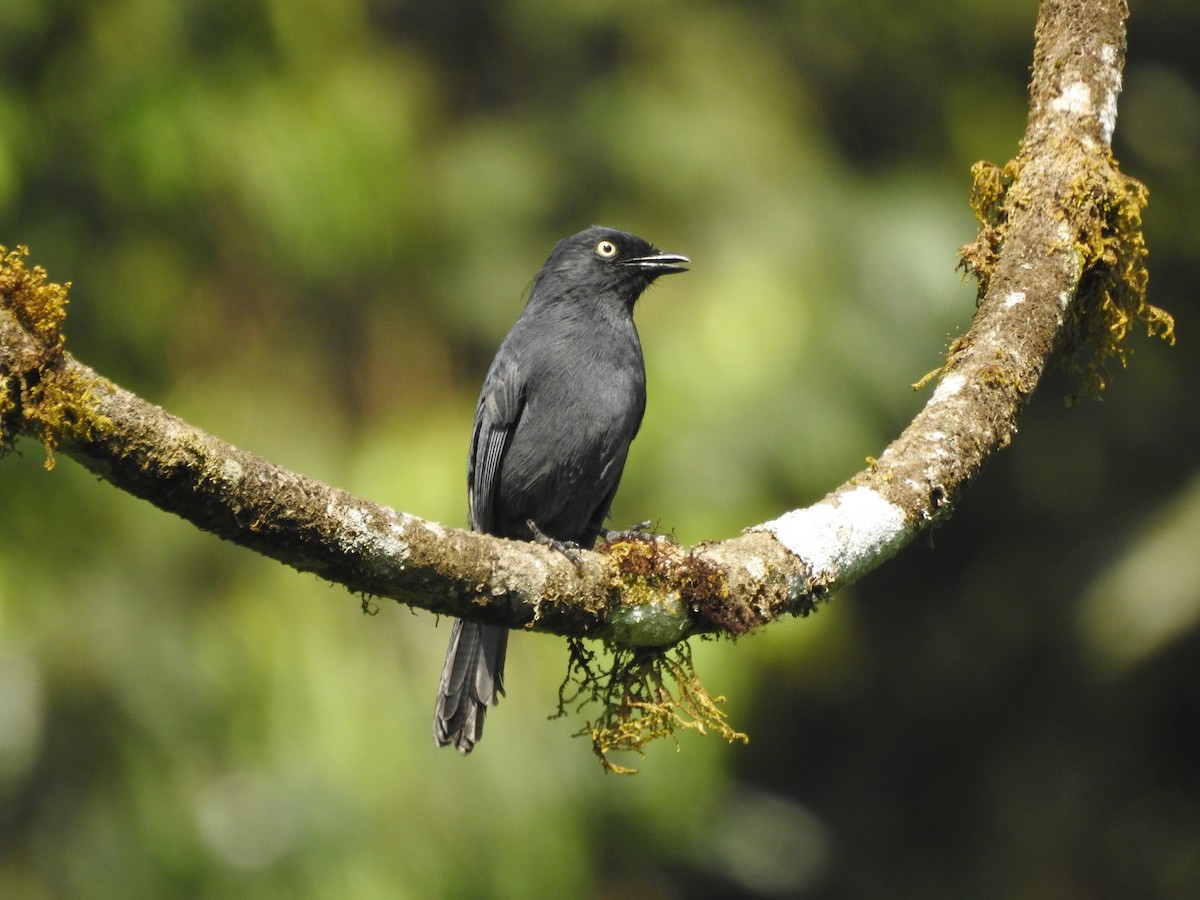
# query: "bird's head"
[606,261]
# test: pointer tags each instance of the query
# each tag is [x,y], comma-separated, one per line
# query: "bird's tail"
[472,680]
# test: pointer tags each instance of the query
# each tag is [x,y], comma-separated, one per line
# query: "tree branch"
[1059,259]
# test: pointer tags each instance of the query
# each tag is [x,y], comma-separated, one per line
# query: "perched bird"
[559,406]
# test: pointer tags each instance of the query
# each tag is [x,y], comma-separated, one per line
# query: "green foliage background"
[305,226]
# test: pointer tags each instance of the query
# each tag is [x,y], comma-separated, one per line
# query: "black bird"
[561,403]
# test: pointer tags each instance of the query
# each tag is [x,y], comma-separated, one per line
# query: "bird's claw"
[566,548]
[640,530]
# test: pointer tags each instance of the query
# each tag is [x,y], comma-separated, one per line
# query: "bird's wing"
[496,417]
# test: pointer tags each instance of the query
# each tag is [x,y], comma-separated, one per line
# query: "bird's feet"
[566,548]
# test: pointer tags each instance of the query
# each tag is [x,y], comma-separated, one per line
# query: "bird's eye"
[606,249]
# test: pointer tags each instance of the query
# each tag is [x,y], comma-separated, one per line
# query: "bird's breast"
[583,406]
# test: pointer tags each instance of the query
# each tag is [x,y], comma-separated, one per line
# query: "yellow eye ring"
[606,249]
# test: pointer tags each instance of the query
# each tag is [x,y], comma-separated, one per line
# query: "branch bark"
[1051,225]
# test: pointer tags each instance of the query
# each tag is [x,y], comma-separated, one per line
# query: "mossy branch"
[1061,267]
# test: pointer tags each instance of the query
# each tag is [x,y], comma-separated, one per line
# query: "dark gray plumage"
[560,405]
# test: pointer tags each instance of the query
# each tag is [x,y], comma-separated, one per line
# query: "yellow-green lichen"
[1111,299]
[666,593]
[644,694]
[999,376]
[62,405]
[989,192]
[648,688]
[1111,296]
[54,402]
[921,382]
[40,305]
[648,612]
[9,391]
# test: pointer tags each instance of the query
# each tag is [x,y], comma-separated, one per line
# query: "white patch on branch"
[1112,78]
[357,530]
[1014,299]
[434,528]
[950,386]
[1108,109]
[841,538]
[1076,100]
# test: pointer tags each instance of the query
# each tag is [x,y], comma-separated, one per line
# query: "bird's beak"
[659,264]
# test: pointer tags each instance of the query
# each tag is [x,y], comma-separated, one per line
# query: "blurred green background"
[305,226]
